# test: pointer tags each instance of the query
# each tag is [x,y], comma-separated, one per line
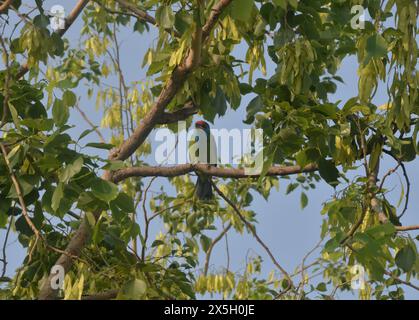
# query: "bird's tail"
[203,189]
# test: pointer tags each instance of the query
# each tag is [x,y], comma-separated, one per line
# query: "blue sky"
[289,231]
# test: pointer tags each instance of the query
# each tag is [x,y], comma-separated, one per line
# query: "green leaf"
[134,289]
[291,187]
[183,21]
[98,145]
[165,17]
[86,132]
[406,258]
[60,113]
[303,200]
[91,219]
[376,47]
[407,151]
[69,98]
[41,21]
[15,116]
[3,219]
[241,9]
[104,190]
[124,203]
[57,44]
[328,172]
[281,3]
[114,165]
[71,170]
[245,88]
[254,106]
[212,106]
[25,187]
[57,196]
[157,243]
[39,124]
[329,110]
[293,3]
[321,287]
[23,227]
[205,242]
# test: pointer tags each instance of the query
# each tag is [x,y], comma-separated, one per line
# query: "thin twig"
[355,226]
[212,245]
[401,281]
[146,220]
[252,229]
[86,118]
[6,87]
[303,263]
[406,177]
[6,238]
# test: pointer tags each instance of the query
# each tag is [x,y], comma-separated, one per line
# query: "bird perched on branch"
[202,149]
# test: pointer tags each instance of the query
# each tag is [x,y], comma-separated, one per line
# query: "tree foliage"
[70,205]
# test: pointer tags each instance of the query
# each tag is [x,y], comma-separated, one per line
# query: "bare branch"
[407,228]
[146,220]
[6,84]
[6,239]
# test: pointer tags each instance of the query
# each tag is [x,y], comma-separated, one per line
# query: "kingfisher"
[202,149]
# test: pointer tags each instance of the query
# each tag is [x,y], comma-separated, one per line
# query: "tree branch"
[216,11]
[178,115]
[401,281]
[140,14]
[4,259]
[5,5]
[182,169]
[107,295]
[407,228]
